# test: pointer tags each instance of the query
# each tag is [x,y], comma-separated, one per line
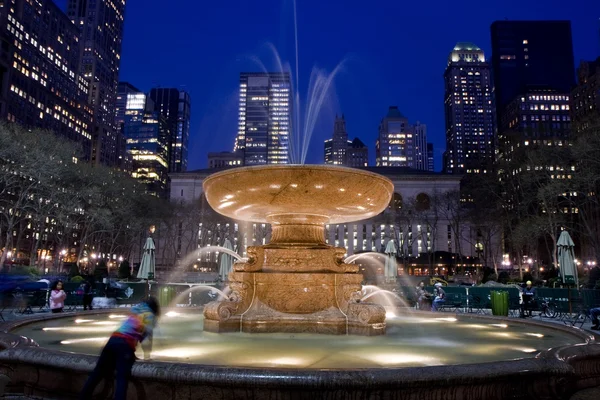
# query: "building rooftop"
[357,144]
[393,112]
[462,46]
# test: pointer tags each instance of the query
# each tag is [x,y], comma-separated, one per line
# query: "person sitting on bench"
[528,299]
[440,298]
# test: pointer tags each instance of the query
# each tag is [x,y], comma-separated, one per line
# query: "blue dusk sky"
[392,53]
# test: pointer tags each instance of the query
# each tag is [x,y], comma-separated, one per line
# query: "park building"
[420,220]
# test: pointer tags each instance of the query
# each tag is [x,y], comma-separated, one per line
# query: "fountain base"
[286,299]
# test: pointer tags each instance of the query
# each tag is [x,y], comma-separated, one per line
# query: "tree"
[31,166]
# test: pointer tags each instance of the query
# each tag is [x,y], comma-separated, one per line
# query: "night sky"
[393,53]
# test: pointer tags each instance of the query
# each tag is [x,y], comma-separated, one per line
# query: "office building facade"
[336,148]
[430,159]
[469,111]
[585,97]
[540,117]
[175,106]
[530,55]
[265,118]
[357,154]
[224,159]
[420,146]
[40,82]
[147,133]
[101,34]
[395,144]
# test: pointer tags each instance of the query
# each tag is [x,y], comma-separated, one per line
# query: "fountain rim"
[329,168]
[553,371]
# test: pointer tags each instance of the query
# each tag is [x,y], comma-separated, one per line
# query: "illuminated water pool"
[434,339]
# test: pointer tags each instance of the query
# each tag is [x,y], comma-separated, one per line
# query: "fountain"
[296,283]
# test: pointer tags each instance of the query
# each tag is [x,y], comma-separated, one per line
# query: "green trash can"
[499,301]
[166,295]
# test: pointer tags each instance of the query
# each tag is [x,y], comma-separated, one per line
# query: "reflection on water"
[410,341]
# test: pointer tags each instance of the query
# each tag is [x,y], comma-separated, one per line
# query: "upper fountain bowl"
[274,193]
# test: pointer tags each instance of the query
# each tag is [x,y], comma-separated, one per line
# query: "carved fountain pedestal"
[296,283]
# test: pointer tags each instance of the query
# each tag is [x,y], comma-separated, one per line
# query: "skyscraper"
[101,26]
[40,81]
[147,133]
[586,97]
[430,159]
[420,146]
[469,111]
[265,115]
[123,90]
[175,105]
[336,148]
[395,144]
[528,55]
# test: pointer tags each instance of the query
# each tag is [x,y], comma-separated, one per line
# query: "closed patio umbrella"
[226,261]
[566,259]
[148,264]
[391,267]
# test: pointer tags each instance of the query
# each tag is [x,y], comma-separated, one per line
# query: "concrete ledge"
[554,374]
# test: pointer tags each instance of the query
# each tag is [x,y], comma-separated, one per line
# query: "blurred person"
[528,299]
[57,297]
[119,353]
[440,297]
[88,296]
[423,296]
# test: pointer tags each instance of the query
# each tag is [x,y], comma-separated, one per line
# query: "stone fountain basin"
[552,374]
[261,194]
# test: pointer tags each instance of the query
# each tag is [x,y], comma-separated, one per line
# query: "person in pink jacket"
[57,297]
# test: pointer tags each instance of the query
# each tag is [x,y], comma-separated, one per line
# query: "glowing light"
[474,326]
[500,325]
[81,329]
[117,316]
[172,313]
[81,321]
[535,334]
[449,319]
[105,323]
[92,339]
[403,358]
[294,185]
[178,352]
[318,186]
[390,314]
[275,186]
[527,350]
[226,204]
[502,334]
[287,361]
